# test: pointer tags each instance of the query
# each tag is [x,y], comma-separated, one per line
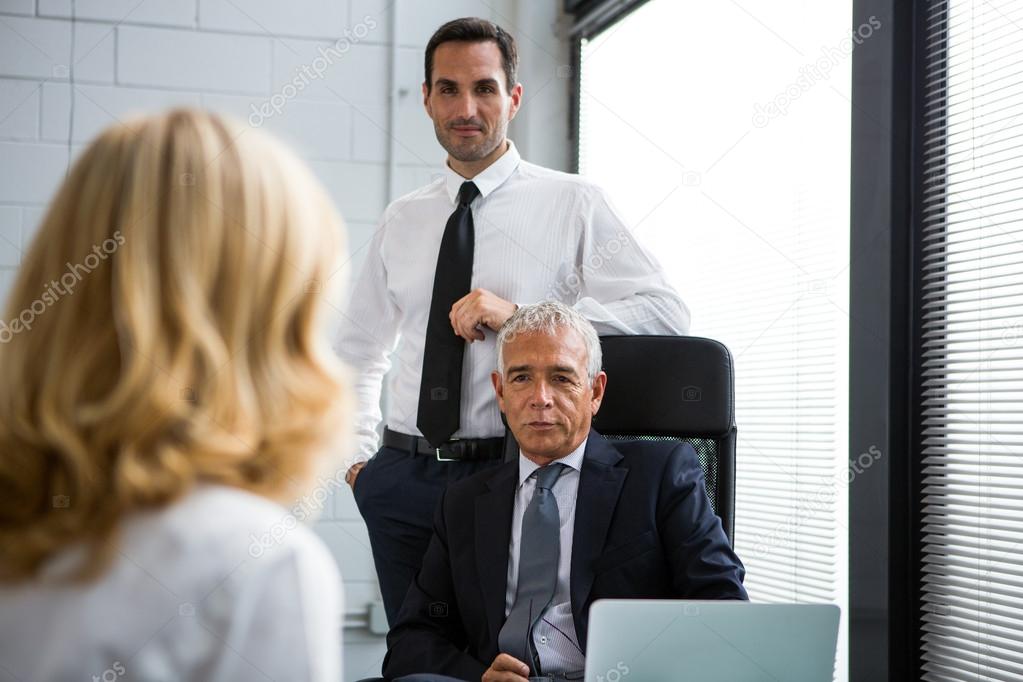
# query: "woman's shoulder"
[205,570]
[216,528]
[228,518]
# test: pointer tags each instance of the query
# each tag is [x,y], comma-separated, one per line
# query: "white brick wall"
[19,109]
[10,236]
[35,48]
[311,18]
[30,172]
[187,59]
[235,56]
[163,13]
[27,7]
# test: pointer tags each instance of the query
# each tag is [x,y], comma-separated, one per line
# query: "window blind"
[971,342]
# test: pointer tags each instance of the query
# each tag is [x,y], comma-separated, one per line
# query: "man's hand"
[506,668]
[352,474]
[479,308]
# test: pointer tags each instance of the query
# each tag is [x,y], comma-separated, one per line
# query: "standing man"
[447,266]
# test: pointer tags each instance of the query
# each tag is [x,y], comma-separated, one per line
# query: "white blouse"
[221,585]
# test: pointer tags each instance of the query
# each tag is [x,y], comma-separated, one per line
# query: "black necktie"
[440,390]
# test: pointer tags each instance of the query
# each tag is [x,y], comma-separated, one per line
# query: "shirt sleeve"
[285,616]
[367,336]
[623,290]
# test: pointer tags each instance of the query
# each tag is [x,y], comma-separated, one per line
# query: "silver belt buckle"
[445,459]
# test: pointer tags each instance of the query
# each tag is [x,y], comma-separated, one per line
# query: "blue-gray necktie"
[539,551]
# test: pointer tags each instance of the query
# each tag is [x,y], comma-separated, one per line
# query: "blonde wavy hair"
[165,329]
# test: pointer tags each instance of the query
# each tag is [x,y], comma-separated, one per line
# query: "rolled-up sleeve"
[367,336]
[624,289]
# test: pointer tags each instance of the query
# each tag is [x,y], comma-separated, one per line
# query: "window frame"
[885,288]
[589,19]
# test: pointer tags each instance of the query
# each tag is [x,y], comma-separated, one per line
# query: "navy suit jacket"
[644,529]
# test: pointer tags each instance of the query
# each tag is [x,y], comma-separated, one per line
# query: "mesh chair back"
[675,388]
[706,450]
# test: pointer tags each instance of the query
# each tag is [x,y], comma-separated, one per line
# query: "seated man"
[519,552]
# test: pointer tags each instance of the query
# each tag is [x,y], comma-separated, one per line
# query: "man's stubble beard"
[472,153]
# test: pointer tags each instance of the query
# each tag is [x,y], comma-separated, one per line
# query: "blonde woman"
[165,395]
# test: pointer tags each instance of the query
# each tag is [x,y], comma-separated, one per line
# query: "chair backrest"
[675,388]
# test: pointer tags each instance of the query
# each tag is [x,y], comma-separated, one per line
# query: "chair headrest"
[667,385]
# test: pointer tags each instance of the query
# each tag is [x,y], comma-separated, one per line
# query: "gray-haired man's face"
[545,394]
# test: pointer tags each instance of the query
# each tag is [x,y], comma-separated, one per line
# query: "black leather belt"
[455,450]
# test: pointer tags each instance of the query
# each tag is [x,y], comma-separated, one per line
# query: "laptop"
[710,641]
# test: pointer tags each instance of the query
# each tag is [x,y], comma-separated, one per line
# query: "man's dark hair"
[474,30]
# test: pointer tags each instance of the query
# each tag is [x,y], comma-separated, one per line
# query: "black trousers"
[397,494]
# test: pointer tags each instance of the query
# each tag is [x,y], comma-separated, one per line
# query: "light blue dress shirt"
[554,636]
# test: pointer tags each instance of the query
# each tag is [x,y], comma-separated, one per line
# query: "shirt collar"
[573,460]
[492,177]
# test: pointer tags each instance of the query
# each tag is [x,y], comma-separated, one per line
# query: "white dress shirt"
[221,585]
[540,235]
[554,636]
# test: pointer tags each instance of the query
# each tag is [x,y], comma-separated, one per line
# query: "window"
[971,345]
[722,132]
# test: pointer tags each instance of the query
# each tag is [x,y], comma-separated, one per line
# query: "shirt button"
[543,639]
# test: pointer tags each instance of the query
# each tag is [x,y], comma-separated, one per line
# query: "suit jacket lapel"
[493,533]
[600,483]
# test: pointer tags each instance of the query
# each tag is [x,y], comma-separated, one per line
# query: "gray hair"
[547,317]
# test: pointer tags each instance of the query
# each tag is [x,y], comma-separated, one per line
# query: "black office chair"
[675,388]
